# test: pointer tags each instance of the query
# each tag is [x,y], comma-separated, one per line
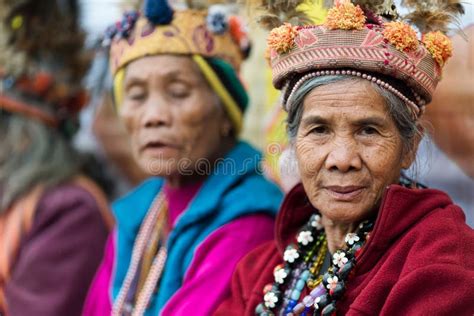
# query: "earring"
[225,130]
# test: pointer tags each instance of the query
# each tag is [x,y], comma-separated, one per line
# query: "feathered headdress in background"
[434,15]
[42,61]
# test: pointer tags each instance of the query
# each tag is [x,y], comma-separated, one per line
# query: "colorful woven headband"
[215,39]
[360,42]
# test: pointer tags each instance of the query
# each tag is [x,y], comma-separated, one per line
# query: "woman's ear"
[410,156]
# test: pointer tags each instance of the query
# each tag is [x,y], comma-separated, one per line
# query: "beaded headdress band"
[200,31]
[366,39]
[41,73]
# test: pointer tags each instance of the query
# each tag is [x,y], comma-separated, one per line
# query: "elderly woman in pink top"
[180,234]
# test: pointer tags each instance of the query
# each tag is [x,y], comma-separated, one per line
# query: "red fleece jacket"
[418,261]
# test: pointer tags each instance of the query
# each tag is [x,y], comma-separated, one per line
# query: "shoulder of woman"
[441,237]
[67,201]
[255,190]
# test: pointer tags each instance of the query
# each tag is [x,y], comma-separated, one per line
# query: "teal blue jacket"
[234,189]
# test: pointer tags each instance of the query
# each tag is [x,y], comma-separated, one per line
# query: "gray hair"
[408,128]
[31,153]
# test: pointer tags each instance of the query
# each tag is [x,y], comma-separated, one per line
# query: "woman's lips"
[159,149]
[344,193]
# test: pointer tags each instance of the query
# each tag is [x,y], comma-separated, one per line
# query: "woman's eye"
[179,91]
[137,97]
[369,131]
[136,94]
[320,130]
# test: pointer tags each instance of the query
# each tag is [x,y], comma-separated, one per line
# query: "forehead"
[348,98]
[162,66]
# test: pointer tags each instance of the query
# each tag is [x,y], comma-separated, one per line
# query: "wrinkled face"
[174,118]
[348,149]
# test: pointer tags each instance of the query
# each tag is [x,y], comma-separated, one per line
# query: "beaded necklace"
[303,262]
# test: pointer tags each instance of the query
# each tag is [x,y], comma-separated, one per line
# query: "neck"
[182,181]
[336,233]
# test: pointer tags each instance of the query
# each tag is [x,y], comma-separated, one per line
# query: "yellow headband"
[235,114]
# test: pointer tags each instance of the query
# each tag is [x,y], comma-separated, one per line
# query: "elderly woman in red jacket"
[356,237]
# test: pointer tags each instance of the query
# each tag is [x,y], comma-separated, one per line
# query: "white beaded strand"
[416,110]
[138,249]
[151,282]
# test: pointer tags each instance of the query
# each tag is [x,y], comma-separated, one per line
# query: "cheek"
[197,110]
[129,117]
[196,118]
[310,158]
[384,160]
[198,126]
[131,122]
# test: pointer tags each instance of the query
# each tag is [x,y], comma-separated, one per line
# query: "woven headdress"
[212,34]
[42,62]
[367,39]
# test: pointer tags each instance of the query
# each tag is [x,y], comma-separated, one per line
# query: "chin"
[339,213]
[345,212]
[159,167]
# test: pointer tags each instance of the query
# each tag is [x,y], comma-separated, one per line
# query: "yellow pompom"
[282,38]
[439,45]
[401,35]
[345,16]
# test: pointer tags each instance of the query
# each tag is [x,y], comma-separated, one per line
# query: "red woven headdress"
[366,39]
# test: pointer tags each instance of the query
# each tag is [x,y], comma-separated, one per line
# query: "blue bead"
[292,303]
[290,306]
[295,295]
[305,275]
[300,285]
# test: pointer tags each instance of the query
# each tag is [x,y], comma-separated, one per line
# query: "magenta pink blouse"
[207,281]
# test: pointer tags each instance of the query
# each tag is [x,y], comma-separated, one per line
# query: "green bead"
[259,309]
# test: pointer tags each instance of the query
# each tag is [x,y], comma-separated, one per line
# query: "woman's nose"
[157,113]
[343,156]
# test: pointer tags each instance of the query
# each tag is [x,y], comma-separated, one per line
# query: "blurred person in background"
[180,233]
[102,135]
[53,219]
[452,110]
[447,156]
